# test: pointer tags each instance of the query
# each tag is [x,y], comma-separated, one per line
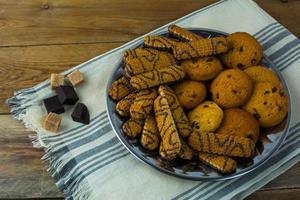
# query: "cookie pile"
[190,97]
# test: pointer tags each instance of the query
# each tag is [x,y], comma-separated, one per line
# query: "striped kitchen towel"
[88,162]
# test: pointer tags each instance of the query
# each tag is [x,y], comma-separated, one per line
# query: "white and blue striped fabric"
[88,162]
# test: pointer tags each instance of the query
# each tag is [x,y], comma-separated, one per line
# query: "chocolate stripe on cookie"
[120,88]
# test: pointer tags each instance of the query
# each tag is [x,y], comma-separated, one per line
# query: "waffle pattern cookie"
[170,141]
[223,164]
[139,52]
[145,64]
[183,34]
[150,138]
[123,106]
[133,127]
[221,144]
[182,123]
[143,104]
[159,42]
[157,77]
[200,48]
[120,88]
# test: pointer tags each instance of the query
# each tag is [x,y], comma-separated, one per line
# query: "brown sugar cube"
[52,122]
[56,80]
[75,77]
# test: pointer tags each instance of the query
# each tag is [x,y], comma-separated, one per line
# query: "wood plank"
[64,22]
[291,194]
[60,21]
[21,169]
[22,174]
[23,67]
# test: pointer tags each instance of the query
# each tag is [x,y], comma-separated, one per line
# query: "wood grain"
[43,36]
[21,169]
[23,67]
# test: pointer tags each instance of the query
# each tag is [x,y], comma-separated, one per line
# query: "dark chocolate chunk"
[81,114]
[66,94]
[53,105]
[274,89]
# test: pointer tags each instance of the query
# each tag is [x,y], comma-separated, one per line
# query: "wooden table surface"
[38,37]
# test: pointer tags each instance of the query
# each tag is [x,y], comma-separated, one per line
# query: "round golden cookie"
[240,123]
[206,117]
[190,93]
[231,88]
[262,74]
[202,69]
[245,51]
[268,104]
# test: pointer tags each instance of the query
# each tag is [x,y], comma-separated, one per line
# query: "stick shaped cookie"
[183,34]
[145,64]
[182,123]
[124,104]
[186,152]
[143,103]
[223,164]
[120,88]
[139,52]
[221,144]
[133,127]
[159,42]
[157,77]
[170,141]
[200,48]
[150,138]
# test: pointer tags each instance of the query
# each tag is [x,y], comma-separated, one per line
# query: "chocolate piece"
[75,77]
[56,80]
[66,95]
[81,114]
[52,122]
[53,104]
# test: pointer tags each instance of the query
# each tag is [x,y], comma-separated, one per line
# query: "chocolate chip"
[234,91]
[205,106]
[241,49]
[210,59]
[281,94]
[240,65]
[180,93]
[279,108]
[253,61]
[274,89]
[266,92]
[197,127]
[256,115]
[229,75]
[265,103]
[217,95]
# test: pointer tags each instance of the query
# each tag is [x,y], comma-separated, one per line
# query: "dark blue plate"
[195,170]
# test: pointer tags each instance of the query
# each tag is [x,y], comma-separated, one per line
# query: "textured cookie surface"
[202,69]
[221,144]
[170,145]
[183,34]
[144,64]
[133,127]
[190,93]
[244,51]
[239,122]
[150,138]
[182,123]
[262,74]
[221,163]
[268,104]
[159,42]
[206,117]
[200,48]
[231,88]
[157,77]
[186,152]
[139,52]
[120,88]
[123,106]
[143,104]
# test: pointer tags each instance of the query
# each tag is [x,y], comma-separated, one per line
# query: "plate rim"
[204,178]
